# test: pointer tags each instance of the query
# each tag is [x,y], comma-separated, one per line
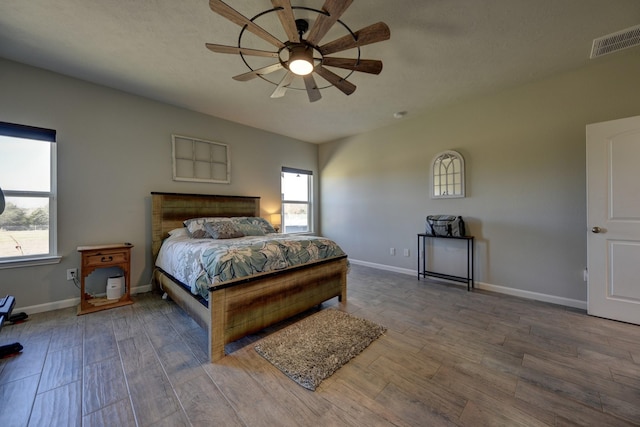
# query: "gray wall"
[113,150]
[525,167]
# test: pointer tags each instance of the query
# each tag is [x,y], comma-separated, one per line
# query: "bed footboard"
[252,305]
[246,308]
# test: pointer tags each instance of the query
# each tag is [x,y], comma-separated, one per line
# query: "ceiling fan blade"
[260,71]
[218,48]
[335,9]
[367,35]
[287,19]
[223,9]
[312,88]
[371,66]
[282,86]
[345,86]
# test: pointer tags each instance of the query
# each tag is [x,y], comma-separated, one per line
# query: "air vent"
[616,41]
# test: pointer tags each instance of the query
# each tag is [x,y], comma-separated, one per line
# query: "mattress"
[202,263]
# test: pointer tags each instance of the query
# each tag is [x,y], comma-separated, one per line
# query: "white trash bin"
[115,288]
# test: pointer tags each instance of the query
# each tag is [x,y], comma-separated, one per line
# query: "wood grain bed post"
[343,283]
[156,224]
[217,327]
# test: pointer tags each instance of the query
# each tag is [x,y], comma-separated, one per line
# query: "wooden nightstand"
[103,256]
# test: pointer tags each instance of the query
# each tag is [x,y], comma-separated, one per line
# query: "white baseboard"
[384,267]
[486,286]
[480,285]
[533,295]
[72,302]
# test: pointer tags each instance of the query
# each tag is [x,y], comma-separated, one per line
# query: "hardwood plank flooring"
[449,357]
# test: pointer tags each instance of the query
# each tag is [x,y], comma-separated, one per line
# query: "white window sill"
[30,262]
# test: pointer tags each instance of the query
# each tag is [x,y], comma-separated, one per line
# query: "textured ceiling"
[440,52]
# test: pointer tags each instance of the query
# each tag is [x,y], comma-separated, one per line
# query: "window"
[296,200]
[200,161]
[447,173]
[28,181]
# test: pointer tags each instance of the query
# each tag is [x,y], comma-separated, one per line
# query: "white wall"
[525,167]
[113,150]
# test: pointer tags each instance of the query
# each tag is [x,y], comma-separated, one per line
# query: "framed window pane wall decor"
[447,175]
[198,160]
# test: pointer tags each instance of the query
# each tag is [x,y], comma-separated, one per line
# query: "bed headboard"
[169,210]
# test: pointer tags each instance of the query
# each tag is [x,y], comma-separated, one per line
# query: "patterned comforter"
[200,263]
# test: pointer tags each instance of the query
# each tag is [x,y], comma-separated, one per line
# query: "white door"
[613,219]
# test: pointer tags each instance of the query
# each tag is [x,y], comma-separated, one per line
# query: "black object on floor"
[18,317]
[10,349]
[6,307]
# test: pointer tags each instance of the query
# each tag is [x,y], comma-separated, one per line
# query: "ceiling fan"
[299,56]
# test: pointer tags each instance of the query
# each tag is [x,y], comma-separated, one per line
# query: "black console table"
[422,260]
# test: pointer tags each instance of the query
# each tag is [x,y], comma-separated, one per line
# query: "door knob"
[596,230]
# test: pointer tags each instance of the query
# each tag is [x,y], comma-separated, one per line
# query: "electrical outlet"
[392,251]
[406,252]
[72,273]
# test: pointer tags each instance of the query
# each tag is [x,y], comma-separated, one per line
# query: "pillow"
[256,221]
[179,232]
[249,229]
[222,230]
[264,224]
[195,226]
[196,229]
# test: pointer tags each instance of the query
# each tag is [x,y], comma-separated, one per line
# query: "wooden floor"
[449,357]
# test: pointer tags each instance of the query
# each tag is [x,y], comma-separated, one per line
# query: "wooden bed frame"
[247,305]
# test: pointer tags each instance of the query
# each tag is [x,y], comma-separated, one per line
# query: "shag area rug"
[314,348]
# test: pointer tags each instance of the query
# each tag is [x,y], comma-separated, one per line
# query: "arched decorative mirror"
[447,175]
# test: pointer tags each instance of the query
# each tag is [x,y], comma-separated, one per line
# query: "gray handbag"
[445,226]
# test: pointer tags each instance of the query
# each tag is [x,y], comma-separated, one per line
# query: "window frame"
[308,203]
[40,134]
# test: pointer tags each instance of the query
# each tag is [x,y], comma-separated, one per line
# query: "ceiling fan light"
[300,67]
[301,60]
